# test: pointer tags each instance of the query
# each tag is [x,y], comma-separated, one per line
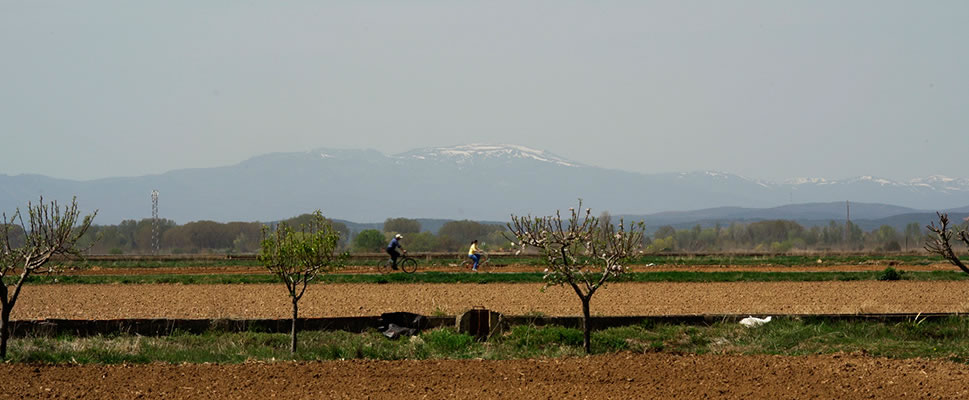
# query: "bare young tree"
[582,252]
[49,232]
[940,243]
[298,257]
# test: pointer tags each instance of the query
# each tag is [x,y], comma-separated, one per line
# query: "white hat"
[398,236]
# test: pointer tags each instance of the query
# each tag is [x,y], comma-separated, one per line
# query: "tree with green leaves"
[402,225]
[299,257]
[885,238]
[582,253]
[339,227]
[48,232]
[424,241]
[457,235]
[369,240]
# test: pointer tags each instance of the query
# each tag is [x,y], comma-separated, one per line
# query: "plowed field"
[615,376]
[333,300]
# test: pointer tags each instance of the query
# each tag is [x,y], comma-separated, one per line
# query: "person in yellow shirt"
[475,254]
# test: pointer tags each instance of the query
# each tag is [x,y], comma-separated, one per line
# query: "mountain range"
[479,182]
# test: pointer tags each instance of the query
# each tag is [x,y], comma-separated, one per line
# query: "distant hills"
[479,182]
[867,216]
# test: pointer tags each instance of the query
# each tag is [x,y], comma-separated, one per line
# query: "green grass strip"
[943,338]
[786,260]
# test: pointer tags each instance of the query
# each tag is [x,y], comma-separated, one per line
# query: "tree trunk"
[585,325]
[4,332]
[295,313]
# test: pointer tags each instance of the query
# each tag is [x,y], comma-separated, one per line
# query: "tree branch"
[940,243]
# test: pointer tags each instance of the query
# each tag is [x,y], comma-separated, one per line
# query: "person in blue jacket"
[392,248]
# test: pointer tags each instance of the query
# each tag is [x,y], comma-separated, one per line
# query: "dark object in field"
[890,274]
[393,331]
[396,324]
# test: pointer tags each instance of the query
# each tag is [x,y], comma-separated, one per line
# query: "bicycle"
[406,263]
[468,263]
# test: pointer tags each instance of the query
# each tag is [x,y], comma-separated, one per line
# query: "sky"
[765,89]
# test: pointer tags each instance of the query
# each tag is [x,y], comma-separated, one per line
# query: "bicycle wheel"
[386,267]
[409,265]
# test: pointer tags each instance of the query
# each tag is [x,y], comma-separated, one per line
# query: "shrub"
[447,341]
[890,274]
[526,337]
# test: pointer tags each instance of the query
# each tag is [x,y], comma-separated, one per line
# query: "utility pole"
[847,220]
[154,222]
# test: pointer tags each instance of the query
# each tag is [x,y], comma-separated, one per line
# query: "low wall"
[163,327]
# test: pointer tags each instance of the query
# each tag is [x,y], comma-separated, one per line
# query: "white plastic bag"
[752,322]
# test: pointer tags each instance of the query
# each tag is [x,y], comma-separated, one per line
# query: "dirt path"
[357,269]
[609,376]
[332,300]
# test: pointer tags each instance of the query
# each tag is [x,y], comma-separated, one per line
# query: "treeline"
[783,236]
[209,237]
[452,236]
[199,237]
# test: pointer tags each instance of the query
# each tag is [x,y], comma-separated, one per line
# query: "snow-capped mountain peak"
[473,152]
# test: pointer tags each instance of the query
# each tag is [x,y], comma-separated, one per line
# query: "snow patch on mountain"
[477,152]
[807,181]
[934,182]
[721,176]
[943,183]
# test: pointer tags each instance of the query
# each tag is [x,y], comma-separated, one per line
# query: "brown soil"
[333,300]
[97,270]
[196,270]
[608,376]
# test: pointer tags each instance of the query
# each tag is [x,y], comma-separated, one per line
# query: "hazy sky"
[766,89]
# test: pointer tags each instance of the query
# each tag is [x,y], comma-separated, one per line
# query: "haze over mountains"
[480,182]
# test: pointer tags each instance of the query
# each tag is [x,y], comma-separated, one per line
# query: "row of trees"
[782,236]
[135,237]
[452,236]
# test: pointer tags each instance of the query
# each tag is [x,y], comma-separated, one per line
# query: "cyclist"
[475,254]
[392,249]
